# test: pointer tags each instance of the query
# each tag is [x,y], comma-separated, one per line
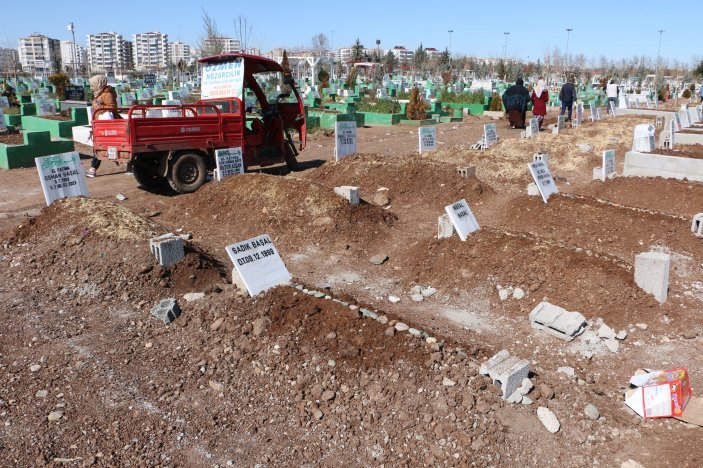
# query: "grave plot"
[600,226]
[34,144]
[682,151]
[572,154]
[294,212]
[677,197]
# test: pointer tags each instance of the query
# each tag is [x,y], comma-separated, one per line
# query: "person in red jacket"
[540,97]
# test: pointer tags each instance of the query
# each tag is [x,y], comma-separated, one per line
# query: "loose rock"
[592,412]
[548,419]
[379,259]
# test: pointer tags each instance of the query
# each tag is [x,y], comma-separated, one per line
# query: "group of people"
[517,97]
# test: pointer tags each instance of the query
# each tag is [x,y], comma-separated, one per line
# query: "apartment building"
[39,54]
[151,51]
[108,51]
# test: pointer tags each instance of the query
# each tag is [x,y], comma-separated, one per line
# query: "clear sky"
[615,29]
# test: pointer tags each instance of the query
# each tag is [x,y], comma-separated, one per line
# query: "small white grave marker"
[345,139]
[672,131]
[541,157]
[543,179]
[683,118]
[559,125]
[427,139]
[644,138]
[692,115]
[533,128]
[229,162]
[490,134]
[608,166]
[61,176]
[4,102]
[592,110]
[599,114]
[576,121]
[677,119]
[258,264]
[462,218]
[2,121]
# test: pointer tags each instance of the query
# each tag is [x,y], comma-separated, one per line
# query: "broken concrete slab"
[652,274]
[167,310]
[557,321]
[507,370]
[445,227]
[532,190]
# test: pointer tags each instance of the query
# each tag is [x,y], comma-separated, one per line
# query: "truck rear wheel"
[146,174]
[187,173]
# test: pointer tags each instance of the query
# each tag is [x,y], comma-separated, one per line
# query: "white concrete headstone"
[229,162]
[462,218]
[45,107]
[608,166]
[258,263]
[427,139]
[683,118]
[692,115]
[560,124]
[533,128]
[599,114]
[543,179]
[643,139]
[345,139]
[490,134]
[672,132]
[2,121]
[61,176]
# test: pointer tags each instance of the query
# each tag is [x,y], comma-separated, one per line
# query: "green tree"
[211,42]
[390,62]
[417,107]
[60,81]
[501,69]
[420,58]
[698,71]
[357,51]
[444,60]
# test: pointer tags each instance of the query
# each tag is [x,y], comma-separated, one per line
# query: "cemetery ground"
[286,378]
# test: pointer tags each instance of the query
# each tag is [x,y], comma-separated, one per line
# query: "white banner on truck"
[223,80]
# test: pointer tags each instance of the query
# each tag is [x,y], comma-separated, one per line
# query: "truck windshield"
[271,83]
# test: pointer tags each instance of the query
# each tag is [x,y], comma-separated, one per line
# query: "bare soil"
[12,139]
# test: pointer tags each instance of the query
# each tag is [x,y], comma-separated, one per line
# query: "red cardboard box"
[659,394]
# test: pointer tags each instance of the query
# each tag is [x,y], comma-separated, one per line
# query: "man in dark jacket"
[515,101]
[567,96]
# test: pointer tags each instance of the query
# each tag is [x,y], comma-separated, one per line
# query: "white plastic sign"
[608,167]
[61,176]
[683,118]
[644,138]
[223,80]
[672,132]
[229,162]
[490,134]
[345,139]
[428,139]
[258,264]
[599,114]
[692,115]
[2,120]
[533,128]
[560,125]
[462,218]
[543,179]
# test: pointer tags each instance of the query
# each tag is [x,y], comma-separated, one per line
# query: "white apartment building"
[108,51]
[345,54]
[39,54]
[71,53]
[180,51]
[402,54]
[9,59]
[229,45]
[151,51]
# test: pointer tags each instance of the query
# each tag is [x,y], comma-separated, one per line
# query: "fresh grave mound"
[411,180]
[600,226]
[12,139]
[677,197]
[580,280]
[682,151]
[93,250]
[294,212]
[505,164]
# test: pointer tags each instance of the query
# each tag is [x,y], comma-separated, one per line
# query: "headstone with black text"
[345,139]
[490,134]
[427,139]
[643,139]
[599,113]
[45,107]
[462,218]
[608,167]
[258,264]
[61,176]
[559,126]
[229,162]
[74,93]
[533,129]
[543,179]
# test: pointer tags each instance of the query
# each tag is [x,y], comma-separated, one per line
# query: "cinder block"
[557,321]
[597,173]
[697,225]
[166,310]
[349,192]
[652,274]
[532,190]
[540,157]
[445,228]
[168,249]
[506,370]
[466,172]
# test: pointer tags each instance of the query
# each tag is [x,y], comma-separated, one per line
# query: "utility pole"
[659,49]
[505,46]
[74,52]
[566,60]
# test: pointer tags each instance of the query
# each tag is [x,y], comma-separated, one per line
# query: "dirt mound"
[570,277]
[505,164]
[683,151]
[412,181]
[294,212]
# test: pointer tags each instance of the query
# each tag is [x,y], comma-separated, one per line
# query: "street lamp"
[568,36]
[74,52]
[656,73]
[450,46]
[505,46]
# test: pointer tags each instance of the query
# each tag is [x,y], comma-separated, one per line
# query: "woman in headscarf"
[104,106]
[515,101]
[540,97]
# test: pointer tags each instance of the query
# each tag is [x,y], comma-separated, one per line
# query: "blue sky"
[615,29]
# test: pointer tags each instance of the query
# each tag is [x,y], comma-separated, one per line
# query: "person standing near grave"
[567,96]
[515,101]
[540,98]
[104,107]
[612,92]
[9,93]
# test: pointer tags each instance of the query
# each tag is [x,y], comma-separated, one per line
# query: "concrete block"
[597,173]
[349,192]
[466,172]
[541,157]
[239,282]
[532,190]
[557,321]
[445,228]
[697,225]
[168,249]
[668,167]
[506,370]
[166,310]
[652,274]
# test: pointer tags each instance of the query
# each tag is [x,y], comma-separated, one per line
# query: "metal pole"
[566,60]
[450,47]
[505,46]
[656,73]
